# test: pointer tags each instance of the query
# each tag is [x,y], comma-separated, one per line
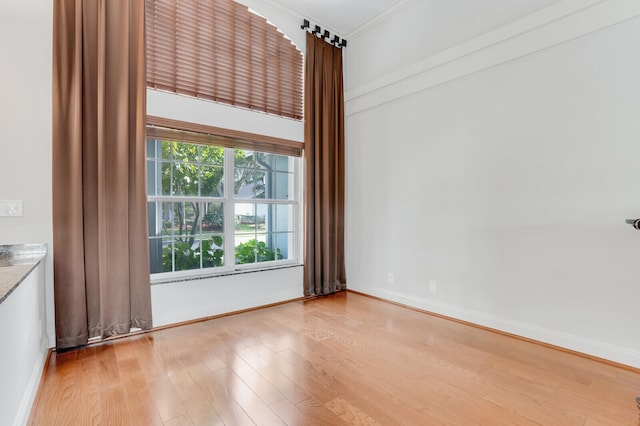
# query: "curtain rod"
[326,35]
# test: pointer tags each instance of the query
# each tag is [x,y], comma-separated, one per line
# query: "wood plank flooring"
[345,359]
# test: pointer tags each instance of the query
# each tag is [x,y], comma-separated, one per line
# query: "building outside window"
[214,209]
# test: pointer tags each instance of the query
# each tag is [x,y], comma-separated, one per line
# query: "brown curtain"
[324,269]
[101,260]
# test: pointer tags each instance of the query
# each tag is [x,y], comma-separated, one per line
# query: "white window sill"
[174,277]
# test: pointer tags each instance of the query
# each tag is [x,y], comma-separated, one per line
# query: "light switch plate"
[11,208]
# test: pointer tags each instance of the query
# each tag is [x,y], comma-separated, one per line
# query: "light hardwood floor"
[344,359]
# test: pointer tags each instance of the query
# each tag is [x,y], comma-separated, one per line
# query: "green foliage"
[187,257]
[213,253]
[197,171]
[213,220]
[255,251]
[250,169]
[186,172]
[192,170]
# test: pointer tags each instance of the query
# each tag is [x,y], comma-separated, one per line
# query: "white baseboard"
[579,344]
[29,395]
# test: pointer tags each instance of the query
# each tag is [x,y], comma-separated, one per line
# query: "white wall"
[25,130]
[200,298]
[185,108]
[503,170]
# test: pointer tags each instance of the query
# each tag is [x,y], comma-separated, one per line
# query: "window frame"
[229,201]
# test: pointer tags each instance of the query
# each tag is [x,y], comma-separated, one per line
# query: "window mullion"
[229,209]
[298,172]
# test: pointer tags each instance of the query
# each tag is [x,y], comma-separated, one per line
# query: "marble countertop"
[16,262]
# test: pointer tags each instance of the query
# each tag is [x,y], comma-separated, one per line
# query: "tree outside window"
[188,227]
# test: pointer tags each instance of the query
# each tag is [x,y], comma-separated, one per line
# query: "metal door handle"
[633,222]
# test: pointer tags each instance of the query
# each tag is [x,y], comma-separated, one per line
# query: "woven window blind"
[175,130]
[219,50]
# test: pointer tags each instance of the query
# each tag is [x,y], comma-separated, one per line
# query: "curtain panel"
[324,266]
[101,260]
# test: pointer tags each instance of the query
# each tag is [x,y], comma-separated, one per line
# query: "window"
[219,209]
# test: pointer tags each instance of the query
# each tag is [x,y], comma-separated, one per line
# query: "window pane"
[154,219]
[167,150]
[186,254]
[243,158]
[165,173]
[284,243]
[213,251]
[284,214]
[245,218]
[263,212]
[270,161]
[152,148]
[254,238]
[185,179]
[263,217]
[159,218]
[152,182]
[281,163]
[248,183]
[261,248]
[268,188]
[262,160]
[266,248]
[187,217]
[213,219]
[245,250]
[193,235]
[184,152]
[282,186]
[260,175]
[262,252]
[156,256]
[191,217]
[211,181]
[211,155]
[167,254]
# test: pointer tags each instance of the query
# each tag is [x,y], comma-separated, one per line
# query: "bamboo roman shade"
[175,130]
[219,50]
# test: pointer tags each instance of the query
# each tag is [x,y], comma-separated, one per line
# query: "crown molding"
[548,27]
[293,14]
[386,13]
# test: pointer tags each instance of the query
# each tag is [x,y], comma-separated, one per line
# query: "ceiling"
[341,16]
[345,16]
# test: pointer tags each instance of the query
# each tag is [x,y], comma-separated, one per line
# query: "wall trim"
[551,26]
[614,355]
[32,391]
[386,13]
[226,314]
